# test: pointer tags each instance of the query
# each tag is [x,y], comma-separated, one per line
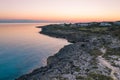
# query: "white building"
[117,23]
[73,25]
[83,24]
[105,24]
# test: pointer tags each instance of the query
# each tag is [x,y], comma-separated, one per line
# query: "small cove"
[23,48]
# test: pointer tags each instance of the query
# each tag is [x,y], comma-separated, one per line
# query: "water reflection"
[23,49]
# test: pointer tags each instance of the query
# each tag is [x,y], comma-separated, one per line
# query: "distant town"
[116,23]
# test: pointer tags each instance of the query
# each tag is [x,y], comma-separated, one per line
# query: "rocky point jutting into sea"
[94,53]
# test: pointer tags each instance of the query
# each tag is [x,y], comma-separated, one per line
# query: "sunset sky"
[61,10]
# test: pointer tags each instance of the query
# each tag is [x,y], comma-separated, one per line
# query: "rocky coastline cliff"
[94,53]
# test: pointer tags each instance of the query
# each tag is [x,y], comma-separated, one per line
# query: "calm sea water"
[23,48]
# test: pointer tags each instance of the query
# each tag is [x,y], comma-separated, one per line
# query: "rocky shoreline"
[93,55]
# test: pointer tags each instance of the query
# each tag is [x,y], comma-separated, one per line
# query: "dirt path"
[104,62]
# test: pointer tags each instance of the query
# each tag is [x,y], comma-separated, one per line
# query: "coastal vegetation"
[94,76]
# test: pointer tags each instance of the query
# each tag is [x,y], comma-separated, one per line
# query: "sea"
[23,48]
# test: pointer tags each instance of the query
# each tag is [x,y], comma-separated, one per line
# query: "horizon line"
[45,21]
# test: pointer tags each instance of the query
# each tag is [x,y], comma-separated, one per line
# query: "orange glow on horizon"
[68,18]
[61,10]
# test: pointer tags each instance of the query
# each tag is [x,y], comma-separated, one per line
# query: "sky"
[61,10]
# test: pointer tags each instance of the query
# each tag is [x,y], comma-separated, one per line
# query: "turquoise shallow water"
[23,49]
